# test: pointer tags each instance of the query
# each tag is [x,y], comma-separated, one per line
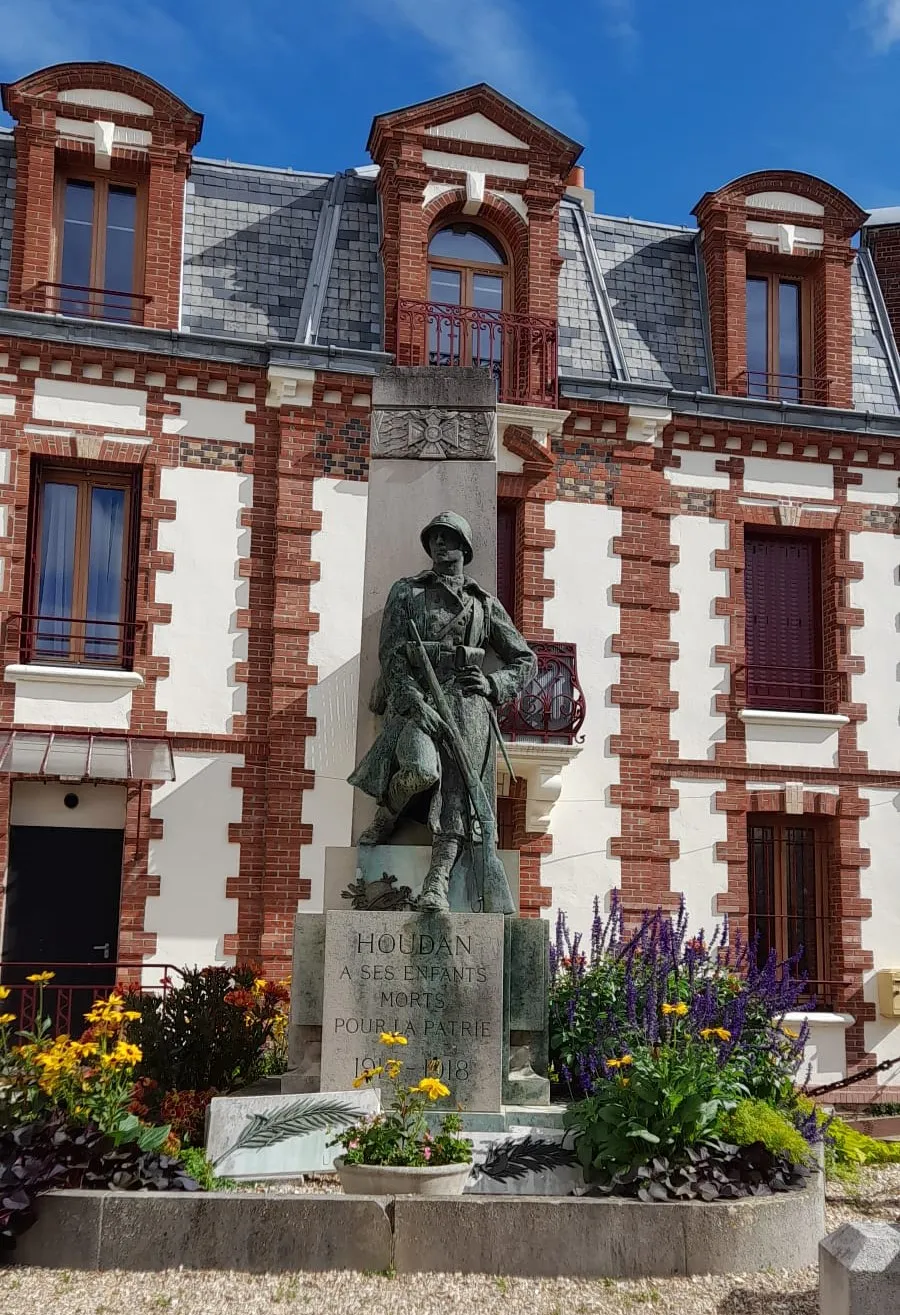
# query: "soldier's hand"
[473,681]
[431,722]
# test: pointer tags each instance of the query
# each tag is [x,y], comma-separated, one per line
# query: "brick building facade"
[698,485]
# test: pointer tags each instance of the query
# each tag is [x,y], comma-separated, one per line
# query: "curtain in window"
[57,570]
[104,583]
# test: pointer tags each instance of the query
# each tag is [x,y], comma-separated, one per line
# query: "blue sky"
[670,100]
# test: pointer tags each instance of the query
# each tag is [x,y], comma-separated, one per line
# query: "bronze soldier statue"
[434,757]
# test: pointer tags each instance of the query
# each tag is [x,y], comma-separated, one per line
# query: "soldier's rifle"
[496,894]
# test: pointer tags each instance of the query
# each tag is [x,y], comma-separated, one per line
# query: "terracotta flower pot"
[392,1180]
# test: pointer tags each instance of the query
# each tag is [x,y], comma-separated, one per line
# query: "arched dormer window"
[468,269]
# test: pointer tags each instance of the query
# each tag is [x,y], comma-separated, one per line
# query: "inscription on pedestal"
[435,977]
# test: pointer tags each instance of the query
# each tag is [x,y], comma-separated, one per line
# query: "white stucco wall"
[795,744]
[880,834]
[339,547]
[696,629]
[584,569]
[203,641]
[698,827]
[878,642]
[194,860]
[788,479]
[57,696]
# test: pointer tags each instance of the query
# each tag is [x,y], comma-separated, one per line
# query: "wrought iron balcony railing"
[551,709]
[88,303]
[811,390]
[519,350]
[794,689]
[77,641]
[73,988]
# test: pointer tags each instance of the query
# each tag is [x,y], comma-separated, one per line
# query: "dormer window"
[776,338]
[466,268]
[777,254]
[102,157]
[98,266]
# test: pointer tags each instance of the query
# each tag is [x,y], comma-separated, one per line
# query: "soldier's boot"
[437,882]
[381,828]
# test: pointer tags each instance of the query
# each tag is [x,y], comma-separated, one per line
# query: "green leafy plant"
[197,1165]
[658,1100]
[90,1080]
[54,1152]
[753,1121]
[846,1150]
[400,1135]
[216,1031]
[715,1171]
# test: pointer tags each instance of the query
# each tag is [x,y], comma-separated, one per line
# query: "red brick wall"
[884,244]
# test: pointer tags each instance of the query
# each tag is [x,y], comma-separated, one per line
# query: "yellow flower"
[7,1018]
[619,1063]
[367,1075]
[40,978]
[125,1053]
[432,1088]
[393,1039]
[259,983]
[679,1009]
[721,1032]
[789,1032]
[623,1082]
[131,1015]
[393,1067]
[4,992]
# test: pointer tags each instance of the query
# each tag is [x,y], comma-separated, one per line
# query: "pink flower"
[427,1152]
[352,1145]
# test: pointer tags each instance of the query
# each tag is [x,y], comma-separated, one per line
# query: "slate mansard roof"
[279,256]
[275,256]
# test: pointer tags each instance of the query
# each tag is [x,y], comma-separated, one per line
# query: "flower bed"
[119,1106]
[682,1073]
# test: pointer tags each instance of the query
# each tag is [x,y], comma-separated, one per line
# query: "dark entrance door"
[62,908]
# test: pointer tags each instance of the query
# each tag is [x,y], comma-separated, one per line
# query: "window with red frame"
[783,593]
[786,864]
[83,538]
[98,249]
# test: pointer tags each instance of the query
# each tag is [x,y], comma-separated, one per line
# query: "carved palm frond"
[511,1160]
[308,1114]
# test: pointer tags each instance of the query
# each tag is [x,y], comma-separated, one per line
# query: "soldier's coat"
[448,615]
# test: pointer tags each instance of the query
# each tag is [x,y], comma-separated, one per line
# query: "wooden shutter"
[506,555]
[783,598]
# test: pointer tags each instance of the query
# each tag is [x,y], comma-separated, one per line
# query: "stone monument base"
[468,990]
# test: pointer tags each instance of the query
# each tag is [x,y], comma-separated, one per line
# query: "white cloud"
[883,20]
[485,41]
[44,32]
[620,21]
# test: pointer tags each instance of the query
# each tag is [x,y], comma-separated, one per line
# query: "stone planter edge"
[579,1237]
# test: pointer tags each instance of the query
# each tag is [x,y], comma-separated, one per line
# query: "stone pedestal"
[468,989]
[437,978]
[859,1269]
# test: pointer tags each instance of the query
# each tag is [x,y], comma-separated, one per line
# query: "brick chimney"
[881,235]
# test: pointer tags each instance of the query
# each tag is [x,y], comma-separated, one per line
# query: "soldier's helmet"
[451,520]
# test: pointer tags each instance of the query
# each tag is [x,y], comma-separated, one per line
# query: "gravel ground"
[26,1291]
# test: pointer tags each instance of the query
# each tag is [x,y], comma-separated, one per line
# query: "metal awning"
[74,756]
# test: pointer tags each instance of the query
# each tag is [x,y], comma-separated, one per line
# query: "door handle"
[104,948]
